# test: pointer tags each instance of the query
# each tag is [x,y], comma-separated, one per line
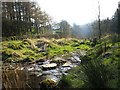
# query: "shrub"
[92,74]
[96,74]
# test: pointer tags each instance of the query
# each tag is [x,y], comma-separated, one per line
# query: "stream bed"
[49,69]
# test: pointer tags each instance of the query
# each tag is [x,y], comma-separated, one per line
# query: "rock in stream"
[52,70]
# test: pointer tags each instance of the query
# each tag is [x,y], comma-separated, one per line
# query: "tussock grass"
[27,49]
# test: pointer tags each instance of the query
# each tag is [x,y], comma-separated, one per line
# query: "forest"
[38,53]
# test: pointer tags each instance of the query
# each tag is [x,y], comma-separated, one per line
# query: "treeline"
[61,29]
[27,18]
[90,30]
[107,26]
[23,18]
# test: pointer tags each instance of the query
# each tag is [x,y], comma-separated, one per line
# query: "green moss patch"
[31,49]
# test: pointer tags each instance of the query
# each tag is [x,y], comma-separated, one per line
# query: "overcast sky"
[78,11]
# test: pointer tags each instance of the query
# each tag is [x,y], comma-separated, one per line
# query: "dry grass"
[14,79]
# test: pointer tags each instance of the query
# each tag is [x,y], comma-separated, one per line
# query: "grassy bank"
[29,50]
[99,68]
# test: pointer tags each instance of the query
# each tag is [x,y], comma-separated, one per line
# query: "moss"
[87,42]
[28,52]
[15,46]
[107,61]
[40,55]
[26,48]
[31,42]
[26,43]
[29,59]
[48,83]
[83,47]
[55,50]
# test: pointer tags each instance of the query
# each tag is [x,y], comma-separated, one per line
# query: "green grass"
[83,47]
[27,49]
[95,71]
[74,79]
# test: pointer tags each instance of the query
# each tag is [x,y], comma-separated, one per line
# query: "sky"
[78,11]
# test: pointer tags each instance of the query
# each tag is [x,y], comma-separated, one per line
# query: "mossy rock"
[48,83]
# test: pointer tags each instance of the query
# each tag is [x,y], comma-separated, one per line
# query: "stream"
[51,69]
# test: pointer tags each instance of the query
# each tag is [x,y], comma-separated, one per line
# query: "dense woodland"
[23,18]
[89,53]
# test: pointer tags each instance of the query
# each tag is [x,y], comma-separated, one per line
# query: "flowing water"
[31,75]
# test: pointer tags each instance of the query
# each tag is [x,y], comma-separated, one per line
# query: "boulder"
[49,82]
[49,66]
